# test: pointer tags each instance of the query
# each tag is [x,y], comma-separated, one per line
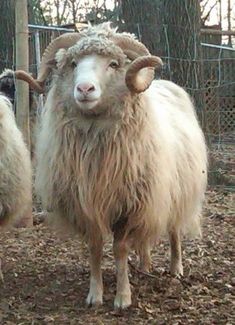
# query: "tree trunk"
[141,17]
[7,31]
[170,29]
[182,23]
[229,23]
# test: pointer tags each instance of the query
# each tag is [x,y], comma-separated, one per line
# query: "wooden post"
[22,63]
[22,89]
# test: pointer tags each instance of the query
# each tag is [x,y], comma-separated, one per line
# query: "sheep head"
[100,74]
[104,41]
[7,84]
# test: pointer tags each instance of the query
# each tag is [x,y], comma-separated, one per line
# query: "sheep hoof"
[94,300]
[122,301]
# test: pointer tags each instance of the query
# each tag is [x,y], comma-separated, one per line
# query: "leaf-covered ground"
[45,279]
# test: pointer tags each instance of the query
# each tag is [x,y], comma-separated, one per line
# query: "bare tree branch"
[204,19]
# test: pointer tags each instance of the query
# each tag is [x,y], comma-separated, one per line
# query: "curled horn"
[138,80]
[64,41]
[22,75]
[130,46]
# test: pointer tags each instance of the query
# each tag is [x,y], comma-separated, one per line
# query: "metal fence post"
[38,60]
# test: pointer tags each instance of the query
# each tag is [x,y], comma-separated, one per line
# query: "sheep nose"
[85,88]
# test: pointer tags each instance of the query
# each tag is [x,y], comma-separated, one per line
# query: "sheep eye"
[114,64]
[73,64]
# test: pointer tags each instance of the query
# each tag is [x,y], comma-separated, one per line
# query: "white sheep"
[15,169]
[118,153]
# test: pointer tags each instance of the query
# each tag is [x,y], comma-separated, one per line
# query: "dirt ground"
[45,280]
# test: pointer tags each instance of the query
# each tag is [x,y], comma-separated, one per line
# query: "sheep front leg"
[95,296]
[123,294]
[176,267]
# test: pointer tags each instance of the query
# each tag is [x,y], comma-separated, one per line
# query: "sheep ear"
[57,60]
[60,58]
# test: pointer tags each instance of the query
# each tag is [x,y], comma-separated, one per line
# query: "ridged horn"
[130,46]
[22,75]
[138,80]
[63,41]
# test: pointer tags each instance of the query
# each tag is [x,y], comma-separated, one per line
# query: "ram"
[118,152]
[15,168]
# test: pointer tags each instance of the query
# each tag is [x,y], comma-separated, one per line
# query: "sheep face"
[97,81]
[95,75]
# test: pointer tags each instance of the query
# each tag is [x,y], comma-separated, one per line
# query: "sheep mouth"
[86,103]
[86,100]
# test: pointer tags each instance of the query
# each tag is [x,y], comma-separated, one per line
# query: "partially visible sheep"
[7,84]
[15,168]
[117,157]
[7,88]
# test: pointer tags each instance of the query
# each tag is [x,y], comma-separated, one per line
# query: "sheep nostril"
[92,88]
[85,88]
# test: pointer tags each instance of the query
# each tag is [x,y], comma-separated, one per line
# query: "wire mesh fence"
[39,38]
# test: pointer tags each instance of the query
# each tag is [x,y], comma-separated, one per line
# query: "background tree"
[142,18]
[207,8]
[182,20]
[183,23]
[7,32]
[36,13]
[7,28]
[63,12]
[170,29]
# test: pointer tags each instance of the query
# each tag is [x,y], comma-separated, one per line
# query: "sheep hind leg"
[176,267]
[123,294]
[95,295]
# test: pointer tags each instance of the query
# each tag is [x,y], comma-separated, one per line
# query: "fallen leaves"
[46,279]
